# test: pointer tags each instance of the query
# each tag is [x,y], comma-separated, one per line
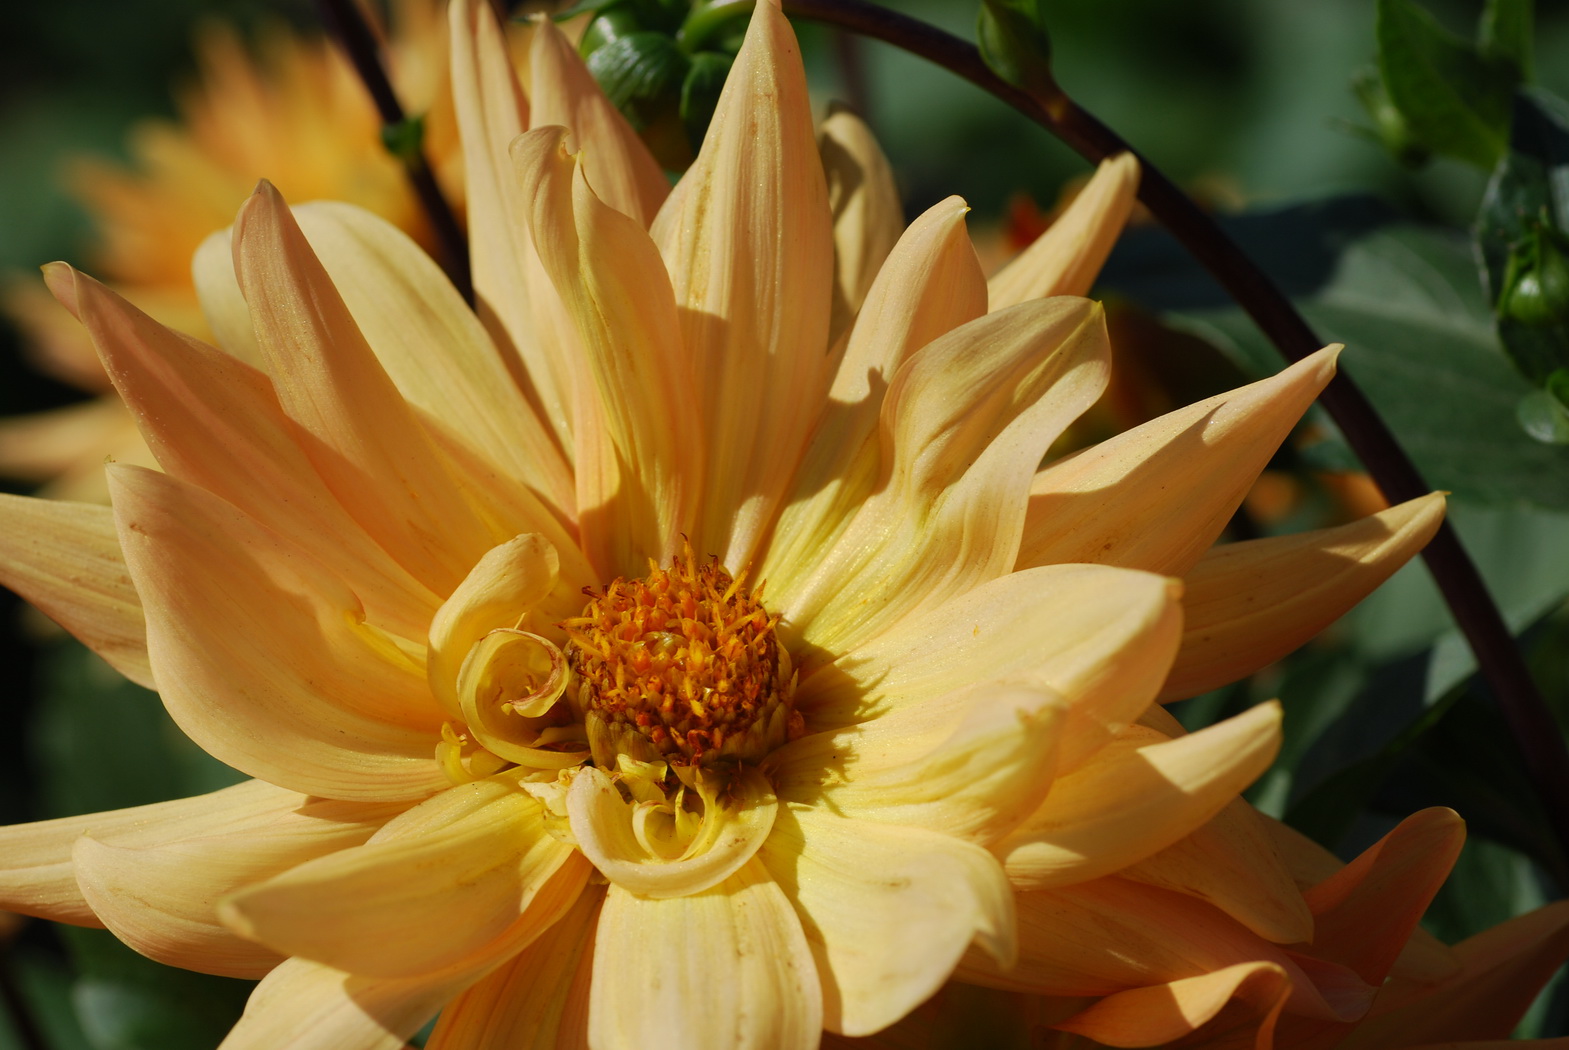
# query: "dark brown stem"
[1531,723]
[346,22]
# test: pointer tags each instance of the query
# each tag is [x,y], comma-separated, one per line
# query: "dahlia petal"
[405,306]
[513,300]
[1108,935]
[39,878]
[971,764]
[620,167]
[65,558]
[1245,605]
[41,446]
[930,285]
[737,949]
[1137,796]
[602,823]
[1155,497]
[302,1005]
[1158,1014]
[964,425]
[505,584]
[260,653]
[1232,863]
[215,422]
[160,898]
[609,273]
[748,241]
[435,889]
[1502,970]
[539,1000]
[223,303]
[887,910]
[1066,258]
[1100,638]
[868,216]
[355,428]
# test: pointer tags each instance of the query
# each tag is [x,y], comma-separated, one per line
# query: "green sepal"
[715,25]
[1013,40]
[700,92]
[642,74]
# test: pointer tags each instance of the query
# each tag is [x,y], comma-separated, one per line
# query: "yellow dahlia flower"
[687,650]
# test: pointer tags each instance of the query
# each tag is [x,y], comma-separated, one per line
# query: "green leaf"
[1544,417]
[1455,100]
[1521,235]
[1507,32]
[641,73]
[1013,40]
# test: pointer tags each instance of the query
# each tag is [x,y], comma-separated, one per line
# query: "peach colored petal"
[539,1000]
[37,876]
[1160,1013]
[435,889]
[40,445]
[261,655]
[1246,605]
[748,241]
[405,307]
[609,273]
[1136,796]
[65,558]
[1100,638]
[159,898]
[354,426]
[1232,863]
[868,215]
[214,421]
[737,949]
[887,910]
[963,427]
[1155,497]
[1066,258]
[223,304]
[623,173]
[930,285]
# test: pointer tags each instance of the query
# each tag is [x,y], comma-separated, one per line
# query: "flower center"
[683,666]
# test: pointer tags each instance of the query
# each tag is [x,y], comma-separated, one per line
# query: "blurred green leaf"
[641,73]
[1544,417]
[44,985]
[1455,99]
[1390,127]
[1521,236]
[1013,40]
[700,92]
[1507,32]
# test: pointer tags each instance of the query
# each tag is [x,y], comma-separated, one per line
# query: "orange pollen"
[682,665]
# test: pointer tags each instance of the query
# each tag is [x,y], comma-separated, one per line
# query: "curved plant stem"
[1535,731]
[346,22]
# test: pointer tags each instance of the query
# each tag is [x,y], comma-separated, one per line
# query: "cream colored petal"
[1232,863]
[502,587]
[406,308]
[1066,258]
[887,910]
[1247,604]
[161,898]
[748,241]
[1162,1013]
[214,421]
[37,876]
[539,1000]
[1100,638]
[435,889]
[868,215]
[726,969]
[971,764]
[303,1005]
[1106,936]
[1155,497]
[261,656]
[608,272]
[223,304]
[65,558]
[1136,797]
[963,427]
[357,431]
[623,173]
[603,824]
[930,285]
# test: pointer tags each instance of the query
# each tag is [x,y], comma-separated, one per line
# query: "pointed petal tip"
[61,280]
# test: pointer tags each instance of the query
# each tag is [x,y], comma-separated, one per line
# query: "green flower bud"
[1013,41]
[1536,283]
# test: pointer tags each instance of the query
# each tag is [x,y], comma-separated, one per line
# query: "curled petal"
[1162,1013]
[618,838]
[868,214]
[508,684]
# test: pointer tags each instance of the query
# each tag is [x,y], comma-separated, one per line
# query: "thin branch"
[346,22]
[1531,723]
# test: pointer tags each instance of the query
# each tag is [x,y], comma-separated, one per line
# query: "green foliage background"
[1249,100]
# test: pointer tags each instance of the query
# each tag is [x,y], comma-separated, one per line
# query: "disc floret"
[683,666]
